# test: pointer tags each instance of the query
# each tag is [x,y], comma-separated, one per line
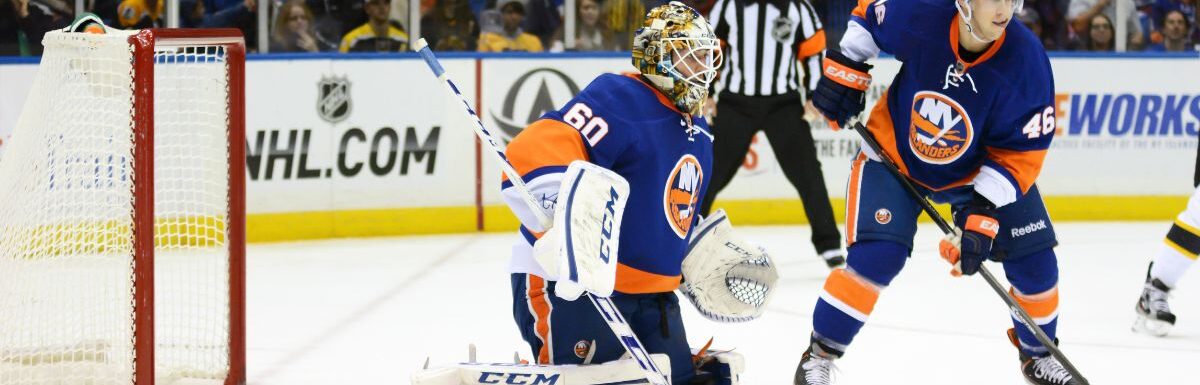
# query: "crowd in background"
[538,25]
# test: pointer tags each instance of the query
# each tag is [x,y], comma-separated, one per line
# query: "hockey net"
[121,213]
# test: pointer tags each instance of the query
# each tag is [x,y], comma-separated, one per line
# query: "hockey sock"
[850,293]
[1179,250]
[1035,287]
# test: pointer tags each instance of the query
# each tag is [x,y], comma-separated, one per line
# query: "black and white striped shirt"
[772,47]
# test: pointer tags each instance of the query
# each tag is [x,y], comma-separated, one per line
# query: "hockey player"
[1177,253]
[968,118]
[645,128]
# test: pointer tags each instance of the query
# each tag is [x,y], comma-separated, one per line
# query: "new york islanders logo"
[682,193]
[941,129]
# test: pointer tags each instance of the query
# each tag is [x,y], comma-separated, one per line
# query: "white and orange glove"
[841,91]
[967,247]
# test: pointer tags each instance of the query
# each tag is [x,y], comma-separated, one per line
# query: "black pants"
[782,118]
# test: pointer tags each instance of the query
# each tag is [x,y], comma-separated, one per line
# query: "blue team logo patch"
[941,129]
[682,193]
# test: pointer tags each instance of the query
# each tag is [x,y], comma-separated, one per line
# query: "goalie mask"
[677,51]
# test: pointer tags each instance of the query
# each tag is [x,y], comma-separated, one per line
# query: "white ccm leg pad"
[726,278]
[580,250]
[623,371]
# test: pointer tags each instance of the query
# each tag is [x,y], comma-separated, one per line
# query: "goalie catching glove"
[726,278]
[580,249]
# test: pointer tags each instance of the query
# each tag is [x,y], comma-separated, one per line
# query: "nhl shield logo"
[782,30]
[333,99]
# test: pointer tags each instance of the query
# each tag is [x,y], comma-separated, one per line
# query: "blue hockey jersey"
[947,122]
[621,123]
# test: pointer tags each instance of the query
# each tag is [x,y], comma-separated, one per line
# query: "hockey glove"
[968,247]
[841,91]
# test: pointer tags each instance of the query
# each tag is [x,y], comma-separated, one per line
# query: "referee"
[773,51]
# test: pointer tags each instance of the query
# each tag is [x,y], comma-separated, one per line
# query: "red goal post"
[122,212]
[146,44]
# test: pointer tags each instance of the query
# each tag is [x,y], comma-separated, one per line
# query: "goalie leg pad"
[623,371]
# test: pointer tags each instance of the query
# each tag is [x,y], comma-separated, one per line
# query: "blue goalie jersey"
[948,122]
[621,123]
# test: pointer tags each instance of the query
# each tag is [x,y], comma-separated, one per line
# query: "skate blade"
[1150,326]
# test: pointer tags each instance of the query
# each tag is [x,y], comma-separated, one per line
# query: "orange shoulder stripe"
[634,281]
[1023,165]
[814,45]
[546,142]
[861,9]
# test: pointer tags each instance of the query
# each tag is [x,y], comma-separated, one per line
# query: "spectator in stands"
[22,26]
[1187,7]
[1033,21]
[1145,17]
[1051,19]
[623,18]
[1175,34]
[1083,12]
[544,19]
[242,14]
[335,18]
[1099,35]
[139,14]
[450,26]
[379,34]
[510,37]
[294,29]
[590,33]
[488,17]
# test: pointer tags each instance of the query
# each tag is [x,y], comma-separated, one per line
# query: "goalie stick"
[856,124]
[604,305]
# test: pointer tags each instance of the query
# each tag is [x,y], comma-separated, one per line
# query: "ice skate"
[1045,371]
[815,369]
[1154,315]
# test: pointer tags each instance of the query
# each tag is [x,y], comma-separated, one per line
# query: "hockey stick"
[1013,307]
[604,305]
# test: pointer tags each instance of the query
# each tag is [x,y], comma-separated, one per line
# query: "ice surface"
[369,311]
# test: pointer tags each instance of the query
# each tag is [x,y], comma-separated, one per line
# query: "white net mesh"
[66,217]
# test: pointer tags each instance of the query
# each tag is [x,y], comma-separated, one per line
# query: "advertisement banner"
[355,134]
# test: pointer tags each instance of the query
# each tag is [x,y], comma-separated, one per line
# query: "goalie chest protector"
[632,129]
